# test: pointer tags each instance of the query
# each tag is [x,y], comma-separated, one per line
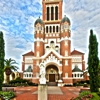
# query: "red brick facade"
[52,45]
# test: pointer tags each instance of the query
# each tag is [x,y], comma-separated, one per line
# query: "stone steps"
[52,83]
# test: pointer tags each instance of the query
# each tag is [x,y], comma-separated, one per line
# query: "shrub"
[22,82]
[87,94]
[83,95]
[95,96]
[7,95]
[98,93]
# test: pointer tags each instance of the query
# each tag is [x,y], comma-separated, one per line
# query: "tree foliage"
[2,54]
[99,73]
[9,66]
[93,62]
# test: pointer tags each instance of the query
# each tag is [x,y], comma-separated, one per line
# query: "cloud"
[17,19]
[84,15]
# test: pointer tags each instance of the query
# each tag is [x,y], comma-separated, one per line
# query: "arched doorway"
[52,74]
[13,76]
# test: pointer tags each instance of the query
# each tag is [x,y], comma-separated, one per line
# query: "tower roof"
[29,69]
[76,69]
[65,19]
[39,21]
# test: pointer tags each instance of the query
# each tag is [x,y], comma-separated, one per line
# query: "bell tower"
[52,16]
[52,10]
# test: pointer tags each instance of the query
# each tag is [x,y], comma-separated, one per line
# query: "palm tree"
[10,65]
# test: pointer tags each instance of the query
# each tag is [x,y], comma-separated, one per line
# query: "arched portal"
[52,73]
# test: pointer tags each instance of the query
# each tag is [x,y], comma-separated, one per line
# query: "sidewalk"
[54,93]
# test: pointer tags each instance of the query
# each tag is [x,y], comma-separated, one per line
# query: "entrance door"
[51,77]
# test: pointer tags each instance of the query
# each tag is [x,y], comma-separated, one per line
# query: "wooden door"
[51,77]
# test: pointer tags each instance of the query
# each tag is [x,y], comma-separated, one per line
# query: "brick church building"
[52,46]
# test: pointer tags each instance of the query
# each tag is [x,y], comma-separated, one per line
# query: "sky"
[17,19]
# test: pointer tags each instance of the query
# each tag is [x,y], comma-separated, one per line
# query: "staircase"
[52,83]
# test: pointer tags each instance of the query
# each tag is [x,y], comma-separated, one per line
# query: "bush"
[22,82]
[7,95]
[87,94]
[95,96]
[82,83]
[98,93]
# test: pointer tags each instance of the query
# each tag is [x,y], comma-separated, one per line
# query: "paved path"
[52,90]
[54,93]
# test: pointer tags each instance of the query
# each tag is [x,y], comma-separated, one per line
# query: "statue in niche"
[42,74]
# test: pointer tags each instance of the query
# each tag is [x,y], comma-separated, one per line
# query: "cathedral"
[52,46]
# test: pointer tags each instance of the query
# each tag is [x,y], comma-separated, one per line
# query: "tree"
[93,62]
[2,55]
[99,73]
[10,65]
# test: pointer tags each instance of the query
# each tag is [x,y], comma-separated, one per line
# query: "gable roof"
[76,52]
[31,53]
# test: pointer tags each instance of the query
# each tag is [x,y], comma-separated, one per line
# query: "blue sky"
[17,19]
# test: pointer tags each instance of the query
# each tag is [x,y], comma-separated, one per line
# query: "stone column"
[60,80]
[42,92]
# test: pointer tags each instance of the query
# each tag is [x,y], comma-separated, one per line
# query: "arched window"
[56,13]
[81,75]
[53,28]
[46,29]
[47,47]
[75,75]
[47,13]
[56,28]
[52,12]
[50,29]
[52,44]
[27,75]
[57,48]
[78,75]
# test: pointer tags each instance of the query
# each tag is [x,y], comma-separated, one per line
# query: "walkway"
[54,93]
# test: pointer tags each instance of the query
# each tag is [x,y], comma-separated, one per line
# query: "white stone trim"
[66,53]
[66,75]
[28,60]
[75,75]
[66,42]
[57,54]
[55,25]
[38,39]
[37,53]
[26,75]
[52,59]
[67,78]
[66,62]
[38,43]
